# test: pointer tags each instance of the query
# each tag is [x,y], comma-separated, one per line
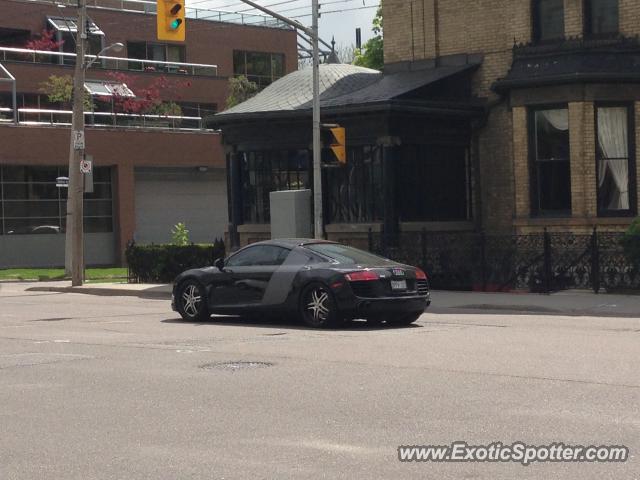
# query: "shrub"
[631,243]
[180,235]
[163,263]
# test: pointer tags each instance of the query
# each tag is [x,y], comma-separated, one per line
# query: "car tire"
[318,308]
[405,320]
[191,301]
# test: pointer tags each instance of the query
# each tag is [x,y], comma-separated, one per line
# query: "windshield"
[347,255]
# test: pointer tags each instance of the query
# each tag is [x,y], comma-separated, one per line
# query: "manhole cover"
[234,366]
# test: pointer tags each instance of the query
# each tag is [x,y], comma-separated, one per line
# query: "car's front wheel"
[192,301]
[318,308]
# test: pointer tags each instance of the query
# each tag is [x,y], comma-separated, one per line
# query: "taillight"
[362,276]
[420,275]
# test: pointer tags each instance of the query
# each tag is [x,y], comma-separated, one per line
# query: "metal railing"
[543,262]
[45,117]
[149,7]
[11,54]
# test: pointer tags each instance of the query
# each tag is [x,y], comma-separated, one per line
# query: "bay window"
[614,160]
[550,165]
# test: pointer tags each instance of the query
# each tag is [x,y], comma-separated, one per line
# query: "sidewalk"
[575,303]
[570,302]
[141,290]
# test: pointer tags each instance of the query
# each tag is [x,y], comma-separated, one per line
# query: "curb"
[106,292]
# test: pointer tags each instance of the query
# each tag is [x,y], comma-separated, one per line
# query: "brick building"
[561,84]
[152,170]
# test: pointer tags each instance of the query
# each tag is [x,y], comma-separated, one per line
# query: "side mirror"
[220,264]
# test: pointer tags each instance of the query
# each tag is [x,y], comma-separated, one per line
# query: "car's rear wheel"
[192,301]
[318,308]
[405,320]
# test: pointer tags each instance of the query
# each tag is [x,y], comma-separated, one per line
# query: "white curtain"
[614,144]
[559,118]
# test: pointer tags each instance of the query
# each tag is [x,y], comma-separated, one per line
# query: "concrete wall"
[48,250]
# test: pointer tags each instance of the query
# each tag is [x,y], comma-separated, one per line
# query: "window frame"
[633,180]
[104,177]
[536,22]
[534,172]
[253,248]
[147,44]
[263,80]
[588,17]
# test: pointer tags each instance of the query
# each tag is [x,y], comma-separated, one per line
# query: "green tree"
[240,90]
[60,90]
[372,53]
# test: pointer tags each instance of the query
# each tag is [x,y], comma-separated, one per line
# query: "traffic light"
[171,24]
[334,139]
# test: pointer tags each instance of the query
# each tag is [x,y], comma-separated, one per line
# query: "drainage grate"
[235,366]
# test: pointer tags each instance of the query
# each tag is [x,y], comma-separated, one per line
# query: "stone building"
[495,116]
[561,84]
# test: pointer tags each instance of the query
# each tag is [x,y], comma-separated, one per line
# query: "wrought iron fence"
[543,262]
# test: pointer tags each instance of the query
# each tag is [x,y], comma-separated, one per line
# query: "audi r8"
[323,283]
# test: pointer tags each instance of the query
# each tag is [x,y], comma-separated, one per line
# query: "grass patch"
[109,274]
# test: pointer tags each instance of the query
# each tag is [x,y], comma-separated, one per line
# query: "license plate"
[398,284]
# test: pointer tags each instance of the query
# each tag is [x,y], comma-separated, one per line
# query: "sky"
[341,24]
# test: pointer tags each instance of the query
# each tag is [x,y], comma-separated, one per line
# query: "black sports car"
[324,283]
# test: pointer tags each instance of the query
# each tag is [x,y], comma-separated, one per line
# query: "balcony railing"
[149,7]
[44,117]
[11,54]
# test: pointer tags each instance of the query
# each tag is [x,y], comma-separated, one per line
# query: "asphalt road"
[120,388]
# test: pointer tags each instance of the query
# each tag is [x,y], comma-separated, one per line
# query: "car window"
[260,255]
[345,254]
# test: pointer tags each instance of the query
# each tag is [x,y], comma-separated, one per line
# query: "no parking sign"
[86,166]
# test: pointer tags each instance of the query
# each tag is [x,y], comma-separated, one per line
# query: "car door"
[247,275]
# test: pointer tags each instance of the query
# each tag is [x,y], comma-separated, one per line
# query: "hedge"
[631,243]
[163,263]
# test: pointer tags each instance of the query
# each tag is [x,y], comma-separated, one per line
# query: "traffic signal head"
[171,24]
[334,139]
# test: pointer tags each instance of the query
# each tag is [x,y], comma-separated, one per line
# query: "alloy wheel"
[319,305]
[191,300]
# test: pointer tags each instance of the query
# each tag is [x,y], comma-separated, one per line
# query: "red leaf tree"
[45,42]
[149,96]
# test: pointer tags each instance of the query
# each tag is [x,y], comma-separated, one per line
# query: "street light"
[116,47]
[74,240]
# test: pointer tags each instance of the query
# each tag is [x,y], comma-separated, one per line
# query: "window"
[107,89]
[432,184]
[353,192]
[550,169]
[601,17]
[259,67]
[30,202]
[11,37]
[548,20]
[269,171]
[260,255]
[614,161]
[66,29]
[161,52]
[346,255]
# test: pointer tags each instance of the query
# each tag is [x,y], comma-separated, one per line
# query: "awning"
[108,89]
[64,24]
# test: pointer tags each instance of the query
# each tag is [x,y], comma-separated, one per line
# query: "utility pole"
[317,152]
[75,195]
